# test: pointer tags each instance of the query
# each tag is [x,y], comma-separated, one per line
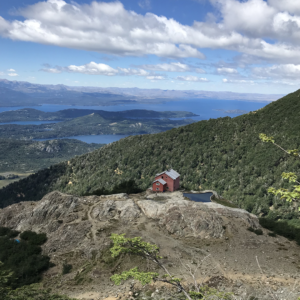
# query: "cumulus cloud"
[93,68]
[239,81]
[11,70]
[291,6]
[12,74]
[172,67]
[100,26]
[229,71]
[156,77]
[191,78]
[286,71]
[107,27]
[145,4]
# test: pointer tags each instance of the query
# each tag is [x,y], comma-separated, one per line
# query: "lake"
[205,108]
[205,197]
[97,139]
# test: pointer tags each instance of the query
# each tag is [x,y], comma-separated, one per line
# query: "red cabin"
[166,181]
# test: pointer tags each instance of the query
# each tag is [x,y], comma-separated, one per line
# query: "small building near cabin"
[167,181]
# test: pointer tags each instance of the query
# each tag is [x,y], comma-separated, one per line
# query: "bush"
[281,228]
[23,258]
[34,238]
[250,229]
[272,234]
[256,231]
[66,268]
[4,231]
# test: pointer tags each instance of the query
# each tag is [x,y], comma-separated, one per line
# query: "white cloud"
[129,71]
[229,71]
[100,26]
[287,72]
[157,77]
[11,70]
[239,81]
[291,6]
[52,70]
[145,4]
[92,68]
[107,27]
[13,74]
[191,78]
[172,67]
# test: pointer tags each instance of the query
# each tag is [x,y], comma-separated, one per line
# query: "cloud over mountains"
[110,28]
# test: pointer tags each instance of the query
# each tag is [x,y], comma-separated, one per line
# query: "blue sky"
[248,46]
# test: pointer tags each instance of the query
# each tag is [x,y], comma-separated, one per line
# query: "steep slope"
[222,154]
[78,231]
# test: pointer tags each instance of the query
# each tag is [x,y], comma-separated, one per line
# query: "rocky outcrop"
[72,222]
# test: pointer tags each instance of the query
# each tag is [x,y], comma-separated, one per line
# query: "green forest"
[223,154]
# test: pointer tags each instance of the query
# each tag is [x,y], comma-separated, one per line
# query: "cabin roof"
[161,181]
[171,173]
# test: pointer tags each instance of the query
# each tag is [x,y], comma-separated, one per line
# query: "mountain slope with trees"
[222,154]
[28,156]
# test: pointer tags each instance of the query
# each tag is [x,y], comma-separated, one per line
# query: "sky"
[250,46]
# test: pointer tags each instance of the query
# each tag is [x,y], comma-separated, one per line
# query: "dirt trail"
[93,223]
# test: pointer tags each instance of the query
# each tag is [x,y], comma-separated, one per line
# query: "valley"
[93,124]
[6,181]
[222,154]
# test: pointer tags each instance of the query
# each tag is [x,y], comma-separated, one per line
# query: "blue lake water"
[205,108]
[198,197]
[97,139]
[30,122]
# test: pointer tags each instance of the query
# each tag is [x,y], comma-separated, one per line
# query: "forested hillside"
[222,154]
[29,156]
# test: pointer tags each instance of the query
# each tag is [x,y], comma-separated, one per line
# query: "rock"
[71,223]
[193,219]
[124,210]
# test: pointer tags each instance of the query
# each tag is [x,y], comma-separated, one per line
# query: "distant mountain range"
[21,93]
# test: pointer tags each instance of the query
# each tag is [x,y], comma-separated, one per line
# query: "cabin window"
[166,177]
[157,189]
[162,176]
[157,183]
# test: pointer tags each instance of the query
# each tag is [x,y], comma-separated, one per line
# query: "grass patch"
[282,228]
[223,202]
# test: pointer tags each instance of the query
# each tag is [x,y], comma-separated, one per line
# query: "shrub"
[66,268]
[281,228]
[258,232]
[250,229]
[33,237]
[23,258]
